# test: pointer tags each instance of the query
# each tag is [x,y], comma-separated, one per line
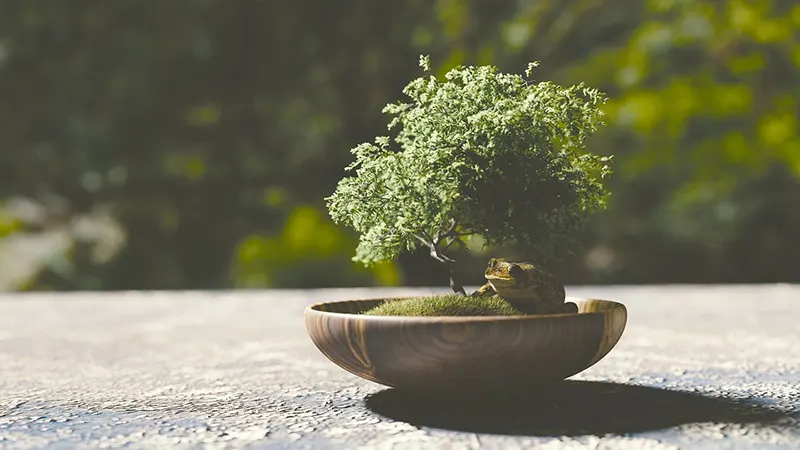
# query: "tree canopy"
[480,152]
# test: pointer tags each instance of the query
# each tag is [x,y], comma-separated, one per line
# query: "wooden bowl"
[464,353]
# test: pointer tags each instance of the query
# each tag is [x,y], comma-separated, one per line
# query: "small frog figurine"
[527,286]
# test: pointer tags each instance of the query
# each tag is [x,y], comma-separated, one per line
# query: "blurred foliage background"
[190,143]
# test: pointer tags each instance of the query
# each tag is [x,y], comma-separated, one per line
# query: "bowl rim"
[312,309]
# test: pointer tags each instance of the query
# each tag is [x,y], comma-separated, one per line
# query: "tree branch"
[452,228]
[422,240]
[437,255]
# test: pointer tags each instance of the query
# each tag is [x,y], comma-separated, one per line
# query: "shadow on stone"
[569,408]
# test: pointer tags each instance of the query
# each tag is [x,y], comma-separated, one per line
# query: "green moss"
[445,305]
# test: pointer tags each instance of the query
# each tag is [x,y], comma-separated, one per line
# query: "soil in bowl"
[445,305]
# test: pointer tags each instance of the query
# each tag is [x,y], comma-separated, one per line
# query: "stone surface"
[698,367]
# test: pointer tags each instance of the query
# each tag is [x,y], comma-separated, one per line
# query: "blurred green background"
[190,144]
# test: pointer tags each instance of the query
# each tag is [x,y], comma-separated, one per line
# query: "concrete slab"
[711,367]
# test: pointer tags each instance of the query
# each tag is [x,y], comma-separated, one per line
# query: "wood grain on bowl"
[457,353]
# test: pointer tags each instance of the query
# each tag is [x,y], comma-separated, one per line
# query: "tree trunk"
[455,285]
[436,254]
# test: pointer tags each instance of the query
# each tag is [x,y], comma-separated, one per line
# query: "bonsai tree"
[478,153]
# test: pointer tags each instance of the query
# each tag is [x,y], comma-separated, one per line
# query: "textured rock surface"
[698,367]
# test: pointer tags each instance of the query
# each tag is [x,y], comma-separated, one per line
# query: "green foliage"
[703,122]
[7,225]
[309,252]
[704,112]
[201,127]
[445,305]
[480,152]
[187,119]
